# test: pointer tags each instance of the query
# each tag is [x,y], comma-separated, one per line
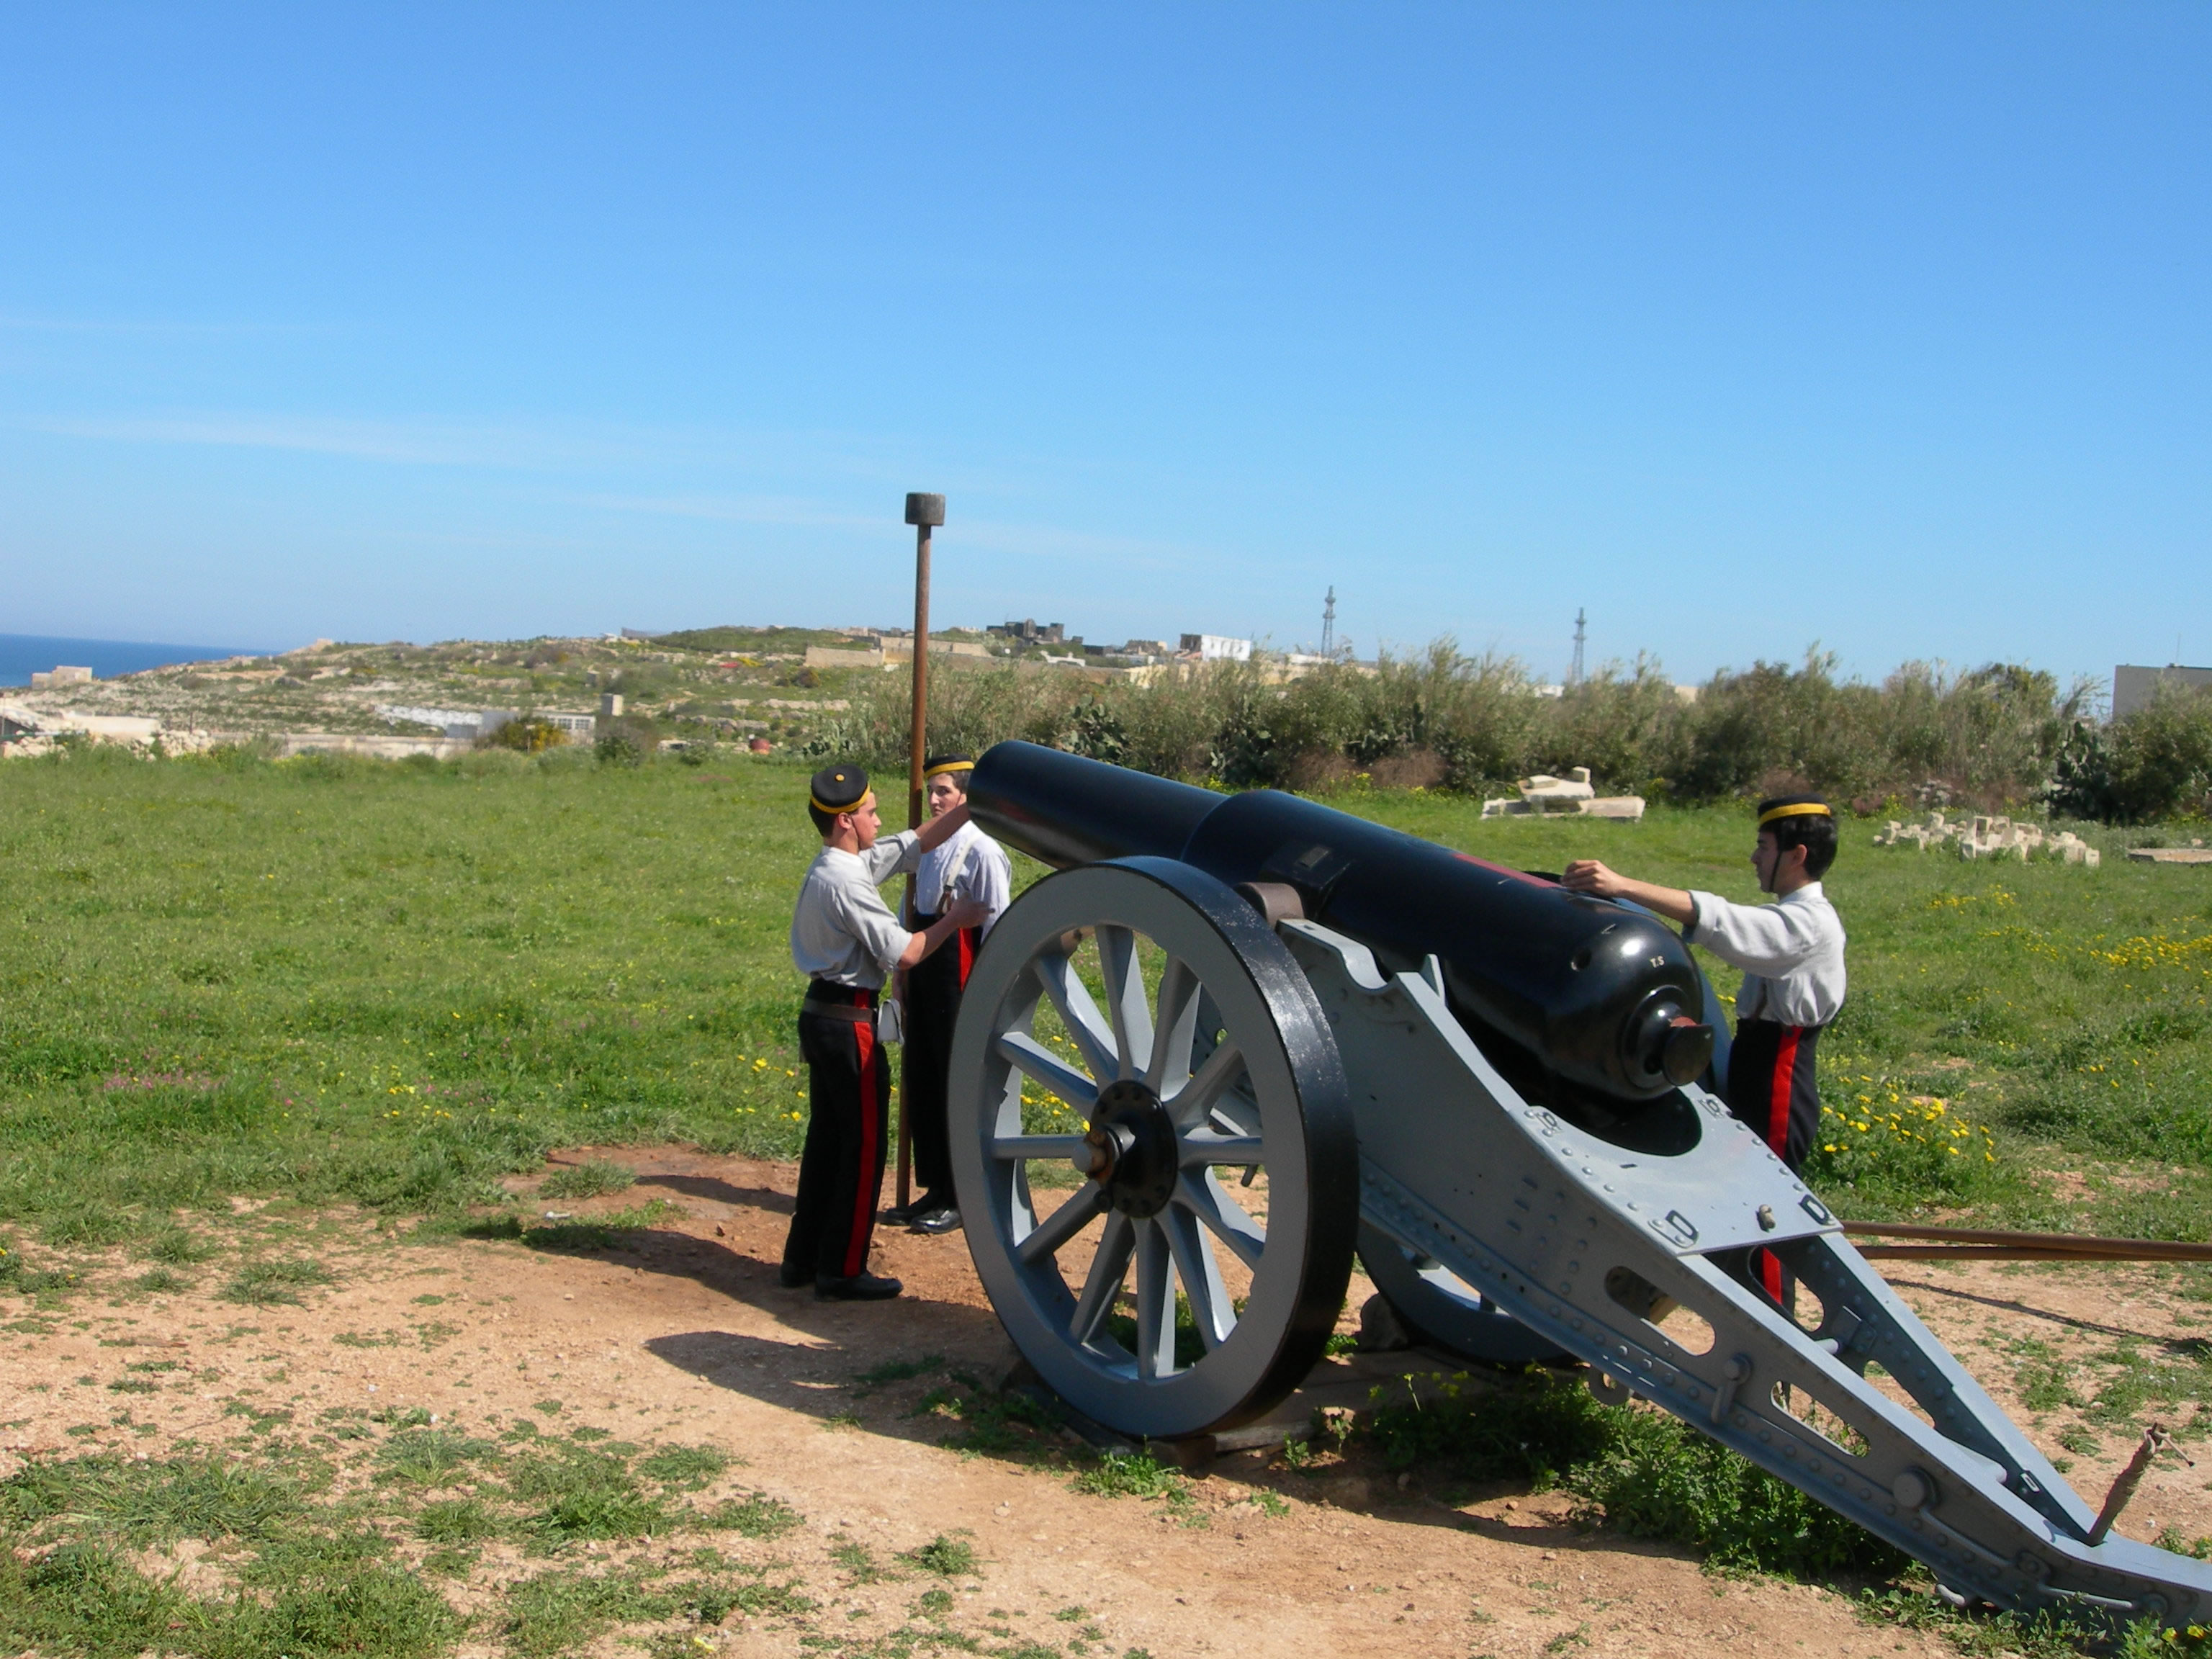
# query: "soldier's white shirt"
[841,930]
[970,864]
[1792,952]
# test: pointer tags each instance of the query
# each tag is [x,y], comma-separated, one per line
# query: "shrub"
[625,742]
[1440,718]
[528,736]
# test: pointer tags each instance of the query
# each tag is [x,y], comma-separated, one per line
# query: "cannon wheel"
[1211,1056]
[1435,1303]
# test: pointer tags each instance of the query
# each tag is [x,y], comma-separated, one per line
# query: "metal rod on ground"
[1994,1244]
[924,512]
[2123,1489]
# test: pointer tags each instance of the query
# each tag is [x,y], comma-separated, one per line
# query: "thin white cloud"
[737,509]
[403,443]
[1051,541]
[144,325]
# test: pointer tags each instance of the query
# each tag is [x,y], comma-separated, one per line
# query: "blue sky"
[1742,327]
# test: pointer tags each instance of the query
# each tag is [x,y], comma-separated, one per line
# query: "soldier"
[845,939]
[1791,953]
[968,865]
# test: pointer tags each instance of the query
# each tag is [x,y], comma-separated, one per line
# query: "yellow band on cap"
[948,766]
[1812,808]
[822,806]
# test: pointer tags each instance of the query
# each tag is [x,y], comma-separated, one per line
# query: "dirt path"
[687,1339]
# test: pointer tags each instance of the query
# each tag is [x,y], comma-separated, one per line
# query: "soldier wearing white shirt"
[845,939]
[1791,953]
[969,865]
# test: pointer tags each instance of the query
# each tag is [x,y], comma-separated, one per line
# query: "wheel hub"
[1133,1152]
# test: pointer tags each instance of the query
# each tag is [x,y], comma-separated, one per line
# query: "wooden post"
[924,512]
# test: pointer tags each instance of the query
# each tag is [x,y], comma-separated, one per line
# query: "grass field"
[387,985]
[364,985]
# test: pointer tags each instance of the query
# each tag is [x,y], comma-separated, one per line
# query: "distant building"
[2133,687]
[1029,631]
[1216,647]
[63,676]
[466,725]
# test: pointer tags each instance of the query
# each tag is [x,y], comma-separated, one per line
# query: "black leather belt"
[828,1001]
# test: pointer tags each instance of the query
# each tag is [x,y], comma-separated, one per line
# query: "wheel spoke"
[1195,1099]
[1234,1114]
[1049,1071]
[1200,1276]
[1107,1269]
[1205,1148]
[1021,1207]
[1156,1331]
[1224,1216]
[1176,1025]
[1062,1224]
[1125,1000]
[1007,1148]
[1080,1014]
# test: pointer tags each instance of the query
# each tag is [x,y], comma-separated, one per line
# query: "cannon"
[1234,1041]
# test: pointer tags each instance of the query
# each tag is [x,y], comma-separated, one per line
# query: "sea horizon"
[23,654]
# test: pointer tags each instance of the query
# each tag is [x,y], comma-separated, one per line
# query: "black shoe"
[946,1220]
[792,1278]
[861,1287]
[899,1214]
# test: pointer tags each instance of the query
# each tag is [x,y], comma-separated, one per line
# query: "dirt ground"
[687,1340]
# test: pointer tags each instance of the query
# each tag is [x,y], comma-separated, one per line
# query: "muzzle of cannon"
[1236,1039]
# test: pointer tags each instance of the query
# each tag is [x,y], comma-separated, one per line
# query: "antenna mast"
[1575,674]
[1329,624]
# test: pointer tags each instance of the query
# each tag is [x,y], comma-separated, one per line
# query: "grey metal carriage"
[1305,1036]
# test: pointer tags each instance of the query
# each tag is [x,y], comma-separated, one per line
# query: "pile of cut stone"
[1983,836]
[1546,796]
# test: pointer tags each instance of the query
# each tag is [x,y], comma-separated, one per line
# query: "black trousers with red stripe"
[933,986]
[841,1173]
[1772,1087]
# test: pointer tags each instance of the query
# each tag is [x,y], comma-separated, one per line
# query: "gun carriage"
[1287,1036]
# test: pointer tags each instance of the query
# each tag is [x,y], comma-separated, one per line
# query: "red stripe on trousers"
[966,954]
[1777,1129]
[856,1246]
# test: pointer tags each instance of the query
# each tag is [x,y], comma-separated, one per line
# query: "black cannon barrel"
[1602,996]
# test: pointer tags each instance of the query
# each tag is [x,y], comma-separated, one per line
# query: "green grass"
[595,1178]
[1133,1474]
[757,1516]
[151,1502]
[338,983]
[392,985]
[433,1457]
[685,1468]
[1637,1471]
[585,1493]
[381,985]
[310,1564]
[265,1284]
[559,1612]
[948,1557]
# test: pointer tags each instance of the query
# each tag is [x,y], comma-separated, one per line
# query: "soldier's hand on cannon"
[1590,875]
[1600,881]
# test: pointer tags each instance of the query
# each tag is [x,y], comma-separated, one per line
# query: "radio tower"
[1329,624]
[1575,674]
